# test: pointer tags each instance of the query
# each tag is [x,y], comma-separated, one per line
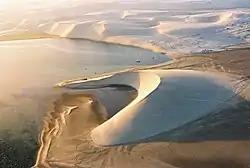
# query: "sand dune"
[160,31]
[197,21]
[203,102]
[97,30]
[205,142]
[120,111]
[85,30]
[165,27]
[198,93]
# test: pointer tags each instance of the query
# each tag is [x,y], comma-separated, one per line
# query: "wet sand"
[215,141]
[49,127]
[218,140]
[25,36]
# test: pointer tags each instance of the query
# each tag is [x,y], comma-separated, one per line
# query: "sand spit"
[201,117]
[25,36]
[156,108]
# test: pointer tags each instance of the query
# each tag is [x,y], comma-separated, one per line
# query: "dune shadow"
[229,124]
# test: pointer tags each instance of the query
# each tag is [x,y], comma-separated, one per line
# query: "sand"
[25,36]
[206,142]
[156,109]
[73,122]
[163,27]
[203,140]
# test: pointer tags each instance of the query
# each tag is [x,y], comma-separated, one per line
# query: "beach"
[125,84]
[211,145]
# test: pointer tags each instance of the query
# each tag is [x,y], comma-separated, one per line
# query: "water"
[30,69]
[170,27]
[32,122]
[45,62]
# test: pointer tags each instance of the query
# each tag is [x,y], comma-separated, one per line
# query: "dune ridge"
[160,31]
[212,90]
[168,31]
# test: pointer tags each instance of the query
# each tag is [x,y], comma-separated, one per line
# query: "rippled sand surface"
[50,127]
[171,27]
[29,71]
[43,43]
[206,142]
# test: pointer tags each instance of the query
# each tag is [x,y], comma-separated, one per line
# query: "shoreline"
[27,36]
[208,141]
[145,46]
[235,61]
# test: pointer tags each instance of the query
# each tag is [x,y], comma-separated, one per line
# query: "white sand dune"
[171,27]
[87,30]
[197,21]
[97,30]
[160,31]
[167,99]
[175,26]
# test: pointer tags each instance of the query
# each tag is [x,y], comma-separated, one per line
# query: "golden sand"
[26,36]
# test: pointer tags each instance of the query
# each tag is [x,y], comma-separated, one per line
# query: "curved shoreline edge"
[200,133]
[26,36]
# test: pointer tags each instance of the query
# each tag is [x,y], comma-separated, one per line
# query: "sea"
[89,38]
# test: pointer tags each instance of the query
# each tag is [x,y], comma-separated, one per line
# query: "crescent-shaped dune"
[167,99]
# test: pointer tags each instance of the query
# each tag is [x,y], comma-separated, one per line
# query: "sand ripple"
[164,27]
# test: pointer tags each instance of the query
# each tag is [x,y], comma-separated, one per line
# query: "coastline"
[26,36]
[236,62]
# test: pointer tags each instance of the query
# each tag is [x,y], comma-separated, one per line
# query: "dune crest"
[187,96]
